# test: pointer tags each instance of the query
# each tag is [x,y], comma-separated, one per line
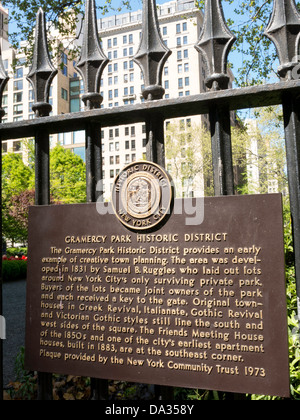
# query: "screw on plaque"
[283,30]
[42,71]
[92,60]
[152,53]
[3,81]
[214,43]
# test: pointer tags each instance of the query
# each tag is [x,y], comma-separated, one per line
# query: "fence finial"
[152,53]
[283,29]
[42,71]
[3,81]
[215,43]
[92,60]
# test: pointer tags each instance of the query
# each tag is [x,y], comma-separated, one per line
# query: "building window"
[4,147]
[165,30]
[79,137]
[18,109]
[178,30]
[18,97]
[18,85]
[132,144]
[180,83]
[17,146]
[64,94]
[19,73]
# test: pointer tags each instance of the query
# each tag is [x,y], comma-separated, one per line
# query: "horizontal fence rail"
[235,99]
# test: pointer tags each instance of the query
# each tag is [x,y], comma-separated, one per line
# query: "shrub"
[13,252]
[14,270]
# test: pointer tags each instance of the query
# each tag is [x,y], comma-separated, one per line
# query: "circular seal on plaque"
[142,195]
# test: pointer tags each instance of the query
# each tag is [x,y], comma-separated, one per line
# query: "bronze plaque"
[197,304]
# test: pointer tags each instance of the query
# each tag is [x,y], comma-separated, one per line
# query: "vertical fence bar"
[3,81]
[214,43]
[221,151]
[41,76]
[151,57]
[91,65]
[283,30]
[291,107]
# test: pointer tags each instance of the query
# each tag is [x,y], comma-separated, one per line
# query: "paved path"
[14,308]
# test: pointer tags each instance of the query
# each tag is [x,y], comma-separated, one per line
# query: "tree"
[67,176]
[189,157]
[15,175]
[64,17]
[67,173]
[15,180]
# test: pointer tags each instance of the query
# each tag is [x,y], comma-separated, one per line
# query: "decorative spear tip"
[42,71]
[152,53]
[283,30]
[92,60]
[215,43]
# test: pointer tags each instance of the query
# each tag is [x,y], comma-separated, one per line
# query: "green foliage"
[68,176]
[14,270]
[25,386]
[63,16]
[15,175]
[13,252]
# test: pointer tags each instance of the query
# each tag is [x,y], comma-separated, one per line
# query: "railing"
[214,43]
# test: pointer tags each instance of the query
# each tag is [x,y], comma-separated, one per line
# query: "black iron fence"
[214,44]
